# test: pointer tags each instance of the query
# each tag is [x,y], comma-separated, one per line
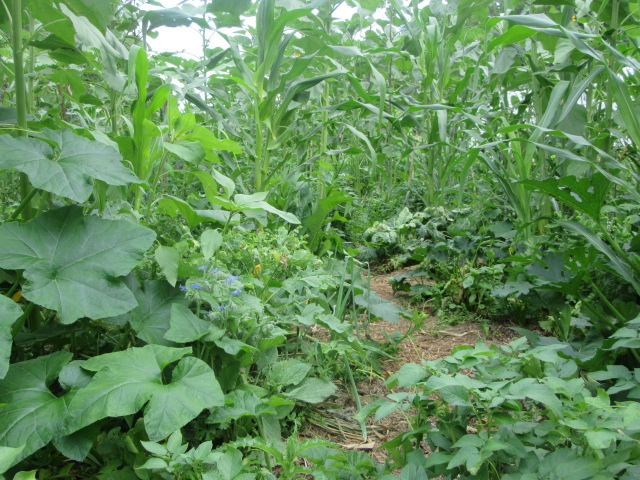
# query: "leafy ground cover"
[191,246]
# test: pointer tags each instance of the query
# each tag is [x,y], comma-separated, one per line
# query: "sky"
[188,40]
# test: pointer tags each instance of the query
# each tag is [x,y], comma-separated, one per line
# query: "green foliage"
[9,313]
[155,210]
[72,262]
[69,171]
[34,415]
[516,411]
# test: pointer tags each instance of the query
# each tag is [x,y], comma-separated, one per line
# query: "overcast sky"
[189,40]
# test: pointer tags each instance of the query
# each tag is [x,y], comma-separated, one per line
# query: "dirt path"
[433,339]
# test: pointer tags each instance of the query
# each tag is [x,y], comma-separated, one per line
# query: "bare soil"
[433,339]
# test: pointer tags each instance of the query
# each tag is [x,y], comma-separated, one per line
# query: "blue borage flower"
[203,268]
[232,278]
[236,291]
[221,307]
[184,288]
[214,270]
[196,286]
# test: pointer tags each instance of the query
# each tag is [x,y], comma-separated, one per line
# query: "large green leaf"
[126,381]
[53,20]
[150,319]
[380,307]
[297,87]
[288,372]
[172,205]
[187,327]
[8,456]
[257,201]
[9,313]
[168,259]
[111,49]
[312,390]
[530,388]
[69,169]
[190,152]
[32,414]
[586,195]
[239,403]
[171,17]
[627,107]
[99,13]
[512,35]
[533,20]
[71,262]
[211,241]
[314,223]
[568,463]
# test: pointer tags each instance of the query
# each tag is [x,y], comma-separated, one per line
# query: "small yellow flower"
[573,18]
[256,269]
[306,302]
[17,296]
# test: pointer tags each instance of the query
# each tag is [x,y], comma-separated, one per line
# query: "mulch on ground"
[433,339]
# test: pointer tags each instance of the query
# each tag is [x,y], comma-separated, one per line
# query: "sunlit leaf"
[126,381]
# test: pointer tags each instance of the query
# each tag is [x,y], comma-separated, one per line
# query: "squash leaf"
[71,262]
[67,170]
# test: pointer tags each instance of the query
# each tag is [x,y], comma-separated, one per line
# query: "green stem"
[138,198]
[266,158]
[606,301]
[356,396]
[226,226]
[18,65]
[268,282]
[24,205]
[21,97]
[17,326]
[258,149]
[267,458]
[32,69]
[203,36]
[113,100]
[609,91]
[13,288]
[618,249]
[159,173]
